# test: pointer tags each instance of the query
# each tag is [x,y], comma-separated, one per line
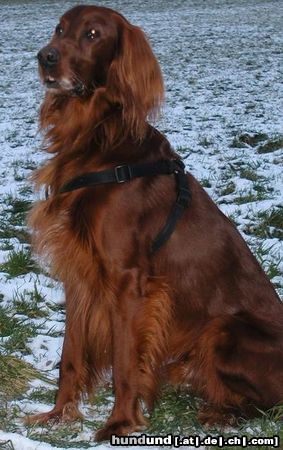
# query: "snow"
[23,443]
[223,75]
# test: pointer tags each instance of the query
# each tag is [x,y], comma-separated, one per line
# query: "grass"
[7,231]
[12,226]
[230,188]
[6,445]
[61,436]
[259,188]
[27,164]
[271,146]
[205,142]
[13,218]
[9,415]
[43,395]
[269,224]
[249,174]
[25,190]
[15,375]
[176,411]
[246,139]
[259,191]
[29,304]
[17,332]
[17,209]
[206,183]
[6,245]
[19,263]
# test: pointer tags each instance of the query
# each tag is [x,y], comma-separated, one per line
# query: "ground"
[221,63]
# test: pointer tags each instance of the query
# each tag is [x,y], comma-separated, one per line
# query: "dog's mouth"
[51,83]
[64,86]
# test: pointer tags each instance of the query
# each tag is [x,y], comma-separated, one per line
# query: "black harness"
[124,173]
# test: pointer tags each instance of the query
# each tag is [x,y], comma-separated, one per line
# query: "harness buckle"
[122,173]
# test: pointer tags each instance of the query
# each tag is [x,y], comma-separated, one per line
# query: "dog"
[157,296]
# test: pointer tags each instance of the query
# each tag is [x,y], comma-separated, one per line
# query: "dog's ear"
[134,78]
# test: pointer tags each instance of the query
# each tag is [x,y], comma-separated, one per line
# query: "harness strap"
[182,202]
[123,173]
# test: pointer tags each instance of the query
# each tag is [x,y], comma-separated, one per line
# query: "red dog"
[198,310]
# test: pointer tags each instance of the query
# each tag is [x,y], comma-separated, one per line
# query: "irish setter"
[199,311]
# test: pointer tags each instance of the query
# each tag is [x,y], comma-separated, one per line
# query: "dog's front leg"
[140,324]
[66,406]
[72,372]
[126,416]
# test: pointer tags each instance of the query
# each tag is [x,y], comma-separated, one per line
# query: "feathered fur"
[200,311]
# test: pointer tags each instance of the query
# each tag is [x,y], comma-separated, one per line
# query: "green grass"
[15,375]
[27,164]
[205,142]
[228,189]
[259,191]
[252,140]
[6,245]
[9,416]
[13,218]
[17,332]
[271,146]
[273,270]
[206,183]
[176,411]
[18,209]
[29,303]
[6,445]
[249,174]
[269,224]
[260,187]
[19,263]
[248,198]
[19,176]
[61,436]
[7,231]
[25,190]
[43,395]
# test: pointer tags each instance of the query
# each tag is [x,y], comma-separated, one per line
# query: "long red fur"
[200,311]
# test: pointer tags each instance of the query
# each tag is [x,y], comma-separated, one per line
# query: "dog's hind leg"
[235,363]
[249,359]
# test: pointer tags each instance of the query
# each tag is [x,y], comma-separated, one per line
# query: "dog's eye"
[91,34]
[59,30]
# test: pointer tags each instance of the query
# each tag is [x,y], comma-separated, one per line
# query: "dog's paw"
[119,428]
[69,413]
[43,418]
[210,417]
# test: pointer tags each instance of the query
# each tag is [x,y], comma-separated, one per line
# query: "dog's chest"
[64,237]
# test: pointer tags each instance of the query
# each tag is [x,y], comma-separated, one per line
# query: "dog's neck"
[70,123]
[80,132]
[73,124]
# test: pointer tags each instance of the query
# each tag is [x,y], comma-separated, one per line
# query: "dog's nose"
[48,56]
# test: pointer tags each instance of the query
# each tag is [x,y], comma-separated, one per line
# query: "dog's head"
[94,48]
